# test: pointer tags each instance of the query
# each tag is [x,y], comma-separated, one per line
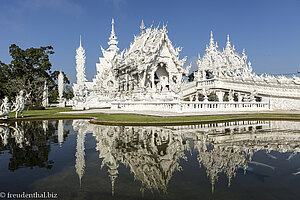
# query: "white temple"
[149,75]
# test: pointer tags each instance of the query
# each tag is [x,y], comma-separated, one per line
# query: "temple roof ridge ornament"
[228,45]
[211,41]
[142,27]
[80,41]
[113,38]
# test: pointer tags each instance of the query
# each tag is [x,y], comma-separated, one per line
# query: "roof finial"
[243,53]
[113,26]
[211,41]
[142,27]
[228,45]
[80,41]
[113,38]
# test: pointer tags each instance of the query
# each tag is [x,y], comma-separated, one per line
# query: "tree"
[4,78]
[68,93]
[28,70]
[53,93]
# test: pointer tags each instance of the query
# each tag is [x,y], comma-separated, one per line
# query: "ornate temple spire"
[142,27]
[80,64]
[113,172]
[211,41]
[60,84]
[112,179]
[228,45]
[113,38]
[244,56]
[80,42]
[80,160]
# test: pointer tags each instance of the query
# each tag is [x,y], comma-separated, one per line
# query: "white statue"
[4,109]
[20,103]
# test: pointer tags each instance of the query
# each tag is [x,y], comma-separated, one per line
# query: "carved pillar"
[220,95]
[240,97]
[152,81]
[252,97]
[197,96]
[231,96]
[205,97]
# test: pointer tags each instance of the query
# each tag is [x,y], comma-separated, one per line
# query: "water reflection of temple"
[152,153]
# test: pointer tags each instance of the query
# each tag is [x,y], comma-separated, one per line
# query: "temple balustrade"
[186,106]
[284,90]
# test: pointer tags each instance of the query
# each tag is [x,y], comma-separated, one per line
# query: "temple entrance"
[161,78]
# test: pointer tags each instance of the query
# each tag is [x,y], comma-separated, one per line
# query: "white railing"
[186,106]
[206,82]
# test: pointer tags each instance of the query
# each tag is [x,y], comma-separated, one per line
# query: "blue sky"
[269,30]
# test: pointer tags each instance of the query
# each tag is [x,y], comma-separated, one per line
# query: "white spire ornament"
[80,160]
[80,64]
[211,41]
[60,85]
[60,132]
[228,45]
[113,38]
[45,101]
[142,27]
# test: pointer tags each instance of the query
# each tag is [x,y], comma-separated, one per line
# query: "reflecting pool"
[78,160]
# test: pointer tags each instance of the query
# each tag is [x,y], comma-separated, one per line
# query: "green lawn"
[54,113]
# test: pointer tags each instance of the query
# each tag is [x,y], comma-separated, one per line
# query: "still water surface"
[79,160]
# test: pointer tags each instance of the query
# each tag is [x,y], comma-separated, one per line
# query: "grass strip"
[134,119]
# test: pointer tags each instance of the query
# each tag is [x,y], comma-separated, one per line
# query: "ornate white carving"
[60,132]
[80,64]
[60,84]
[4,108]
[19,104]
[79,125]
[150,70]
[153,153]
